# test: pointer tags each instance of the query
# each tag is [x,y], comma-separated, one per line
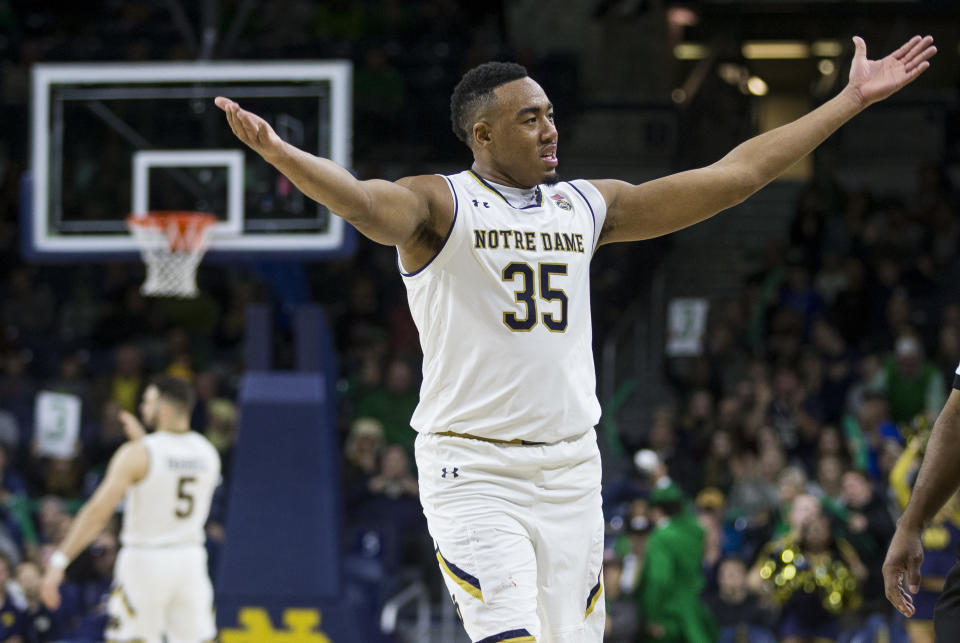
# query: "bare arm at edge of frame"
[938,479]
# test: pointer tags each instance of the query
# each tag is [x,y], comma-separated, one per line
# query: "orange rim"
[184,229]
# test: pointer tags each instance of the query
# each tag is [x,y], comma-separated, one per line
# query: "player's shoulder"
[206,444]
[133,458]
[435,191]
[425,183]
[606,189]
[199,438]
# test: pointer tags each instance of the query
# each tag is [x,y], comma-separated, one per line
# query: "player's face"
[523,139]
[149,406]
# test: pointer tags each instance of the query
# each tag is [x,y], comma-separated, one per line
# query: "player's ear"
[482,134]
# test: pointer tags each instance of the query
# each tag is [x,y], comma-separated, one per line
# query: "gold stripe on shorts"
[594,595]
[469,583]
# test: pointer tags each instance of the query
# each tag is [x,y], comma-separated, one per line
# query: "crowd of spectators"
[797,433]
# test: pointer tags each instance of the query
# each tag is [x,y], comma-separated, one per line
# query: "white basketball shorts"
[161,591]
[518,532]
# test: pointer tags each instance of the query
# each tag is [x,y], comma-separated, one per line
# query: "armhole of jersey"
[598,207]
[956,378]
[446,239]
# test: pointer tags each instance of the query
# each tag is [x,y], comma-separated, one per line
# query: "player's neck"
[500,179]
[175,427]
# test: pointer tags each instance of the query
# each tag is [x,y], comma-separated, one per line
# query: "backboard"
[110,140]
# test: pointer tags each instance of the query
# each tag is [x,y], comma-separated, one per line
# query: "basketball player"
[937,480]
[496,264]
[161,587]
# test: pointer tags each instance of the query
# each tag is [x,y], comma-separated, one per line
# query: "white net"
[172,246]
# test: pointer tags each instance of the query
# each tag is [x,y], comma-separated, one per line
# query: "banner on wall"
[686,326]
[57,425]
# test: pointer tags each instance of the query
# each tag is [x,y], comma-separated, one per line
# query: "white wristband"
[58,560]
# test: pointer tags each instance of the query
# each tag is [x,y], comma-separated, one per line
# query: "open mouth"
[550,159]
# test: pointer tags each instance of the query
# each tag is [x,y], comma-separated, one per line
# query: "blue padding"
[283,523]
[295,388]
[258,337]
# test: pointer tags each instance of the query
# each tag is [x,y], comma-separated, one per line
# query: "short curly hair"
[476,88]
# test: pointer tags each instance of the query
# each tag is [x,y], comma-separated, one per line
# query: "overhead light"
[732,73]
[757,86]
[826,48]
[690,51]
[775,50]
[826,67]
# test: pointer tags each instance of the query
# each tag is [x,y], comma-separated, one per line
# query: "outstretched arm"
[399,214]
[674,202]
[938,479]
[128,465]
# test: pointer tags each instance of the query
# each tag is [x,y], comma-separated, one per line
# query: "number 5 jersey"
[170,505]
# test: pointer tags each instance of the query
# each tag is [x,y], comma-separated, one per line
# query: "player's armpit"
[395,212]
[414,214]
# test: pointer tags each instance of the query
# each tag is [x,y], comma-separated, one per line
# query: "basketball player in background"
[167,478]
[496,264]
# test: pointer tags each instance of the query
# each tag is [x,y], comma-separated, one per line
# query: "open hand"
[901,570]
[250,128]
[874,80]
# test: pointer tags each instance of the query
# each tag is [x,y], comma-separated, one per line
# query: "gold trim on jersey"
[467,436]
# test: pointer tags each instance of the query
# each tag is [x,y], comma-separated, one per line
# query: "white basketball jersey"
[503,312]
[171,504]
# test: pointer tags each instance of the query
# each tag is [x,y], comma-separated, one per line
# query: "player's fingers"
[892,574]
[912,577]
[249,123]
[234,126]
[907,607]
[859,47]
[916,71]
[923,56]
[223,102]
[905,47]
[900,600]
[238,125]
[918,47]
[230,111]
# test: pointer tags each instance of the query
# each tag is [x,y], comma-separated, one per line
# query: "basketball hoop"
[172,244]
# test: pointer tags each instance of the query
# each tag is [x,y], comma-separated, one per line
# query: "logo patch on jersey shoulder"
[562,202]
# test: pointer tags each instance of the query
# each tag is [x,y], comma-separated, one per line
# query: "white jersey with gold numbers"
[171,504]
[503,311]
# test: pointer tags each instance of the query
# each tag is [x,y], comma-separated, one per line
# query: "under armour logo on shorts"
[452,472]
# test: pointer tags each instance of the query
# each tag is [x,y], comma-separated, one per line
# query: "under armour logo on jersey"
[452,472]
[476,204]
